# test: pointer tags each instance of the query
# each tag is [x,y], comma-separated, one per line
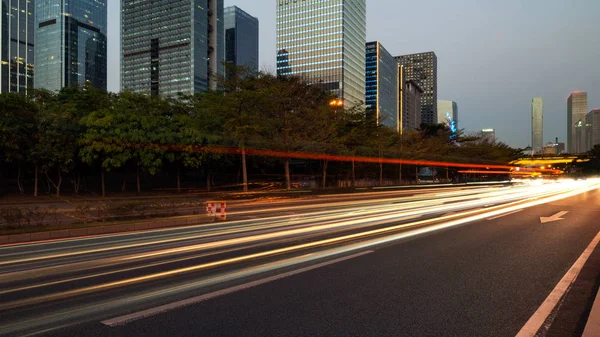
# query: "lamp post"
[336,103]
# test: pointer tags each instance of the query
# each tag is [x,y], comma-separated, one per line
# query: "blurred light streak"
[497,210]
[310,156]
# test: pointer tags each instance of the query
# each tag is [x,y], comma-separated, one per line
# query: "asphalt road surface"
[447,262]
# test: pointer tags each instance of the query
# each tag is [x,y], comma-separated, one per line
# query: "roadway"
[447,262]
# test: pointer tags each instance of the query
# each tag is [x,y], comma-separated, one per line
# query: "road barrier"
[217,209]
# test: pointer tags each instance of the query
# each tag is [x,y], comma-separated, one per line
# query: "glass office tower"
[241,38]
[577,108]
[324,42]
[592,129]
[71,48]
[16,45]
[171,46]
[422,68]
[537,125]
[381,83]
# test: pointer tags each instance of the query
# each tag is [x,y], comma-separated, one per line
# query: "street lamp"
[336,103]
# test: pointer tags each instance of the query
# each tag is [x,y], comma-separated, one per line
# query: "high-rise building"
[489,135]
[580,143]
[324,42]
[71,45]
[422,68]
[241,38]
[592,129]
[537,125]
[171,46]
[447,113]
[16,45]
[382,89]
[577,108]
[411,106]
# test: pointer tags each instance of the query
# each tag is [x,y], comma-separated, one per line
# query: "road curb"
[592,327]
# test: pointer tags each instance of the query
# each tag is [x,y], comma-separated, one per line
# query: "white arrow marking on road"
[555,217]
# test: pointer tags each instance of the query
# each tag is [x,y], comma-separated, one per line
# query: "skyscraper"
[447,113]
[422,68]
[411,106]
[70,44]
[171,46]
[592,123]
[382,90]
[537,125]
[577,108]
[241,38]
[324,42]
[16,45]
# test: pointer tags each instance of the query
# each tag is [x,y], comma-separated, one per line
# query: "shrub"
[82,211]
[36,215]
[12,217]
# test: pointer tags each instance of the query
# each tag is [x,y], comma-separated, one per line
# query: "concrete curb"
[592,327]
[99,230]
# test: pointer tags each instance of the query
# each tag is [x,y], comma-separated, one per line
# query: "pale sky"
[494,56]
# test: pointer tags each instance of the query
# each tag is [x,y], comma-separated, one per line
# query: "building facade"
[381,83]
[422,68]
[577,108]
[241,38]
[324,41]
[592,129]
[411,107]
[170,47]
[17,27]
[447,113]
[71,43]
[537,125]
[550,149]
[488,135]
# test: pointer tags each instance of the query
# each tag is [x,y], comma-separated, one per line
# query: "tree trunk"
[325,162]
[103,186]
[76,182]
[244,170]
[447,174]
[400,176]
[178,181]
[60,178]
[380,173]
[35,183]
[124,184]
[353,173]
[139,188]
[19,184]
[417,174]
[288,182]
[48,184]
[57,184]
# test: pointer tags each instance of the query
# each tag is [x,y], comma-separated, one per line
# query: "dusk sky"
[493,56]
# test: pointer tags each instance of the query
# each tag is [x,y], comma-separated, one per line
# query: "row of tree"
[65,133]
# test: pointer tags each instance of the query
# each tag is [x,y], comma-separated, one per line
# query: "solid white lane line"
[534,323]
[121,320]
[507,214]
